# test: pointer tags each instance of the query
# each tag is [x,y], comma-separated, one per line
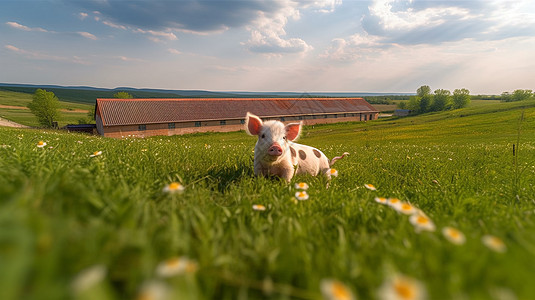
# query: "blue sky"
[486,46]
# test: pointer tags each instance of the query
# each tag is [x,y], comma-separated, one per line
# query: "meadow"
[86,217]
[13,106]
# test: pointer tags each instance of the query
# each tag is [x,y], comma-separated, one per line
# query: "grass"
[62,211]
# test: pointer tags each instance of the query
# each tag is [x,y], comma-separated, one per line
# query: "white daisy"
[494,243]
[453,235]
[370,187]
[259,207]
[400,287]
[422,222]
[174,187]
[96,153]
[301,195]
[176,266]
[335,290]
[301,186]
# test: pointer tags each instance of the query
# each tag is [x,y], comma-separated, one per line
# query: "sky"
[305,46]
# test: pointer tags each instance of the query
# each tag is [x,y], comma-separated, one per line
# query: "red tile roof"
[147,111]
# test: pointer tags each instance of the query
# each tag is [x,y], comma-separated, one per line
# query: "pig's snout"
[275,150]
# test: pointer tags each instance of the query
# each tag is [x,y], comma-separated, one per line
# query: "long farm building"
[148,117]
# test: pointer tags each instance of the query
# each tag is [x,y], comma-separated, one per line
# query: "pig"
[276,154]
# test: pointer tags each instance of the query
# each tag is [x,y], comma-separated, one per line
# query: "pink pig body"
[276,154]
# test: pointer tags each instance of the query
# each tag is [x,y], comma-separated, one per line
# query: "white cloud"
[355,47]
[111,24]
[410,18]
[87,35]
[42,56]
[156,36]
[25,28]
[268,31]
[82,15]
[173,51]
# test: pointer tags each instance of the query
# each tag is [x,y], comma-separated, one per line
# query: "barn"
[148,117]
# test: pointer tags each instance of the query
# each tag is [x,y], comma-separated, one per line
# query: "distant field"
[71,112]
[74,226]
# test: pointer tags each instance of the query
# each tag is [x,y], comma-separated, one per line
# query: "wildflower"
[174,187]
[176,266]
[153,290]
[381,200]
[301,186]
[406,208]
[394,203]
[403,288]
[96,153]
[333,172]
[259,207]
[41,144]
[335,290]
[453,235]
[370,187]
[494,243]
[88,278]
[421,222]
[301,195]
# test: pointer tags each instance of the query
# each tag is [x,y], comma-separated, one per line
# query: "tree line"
[517,95]
[439,100]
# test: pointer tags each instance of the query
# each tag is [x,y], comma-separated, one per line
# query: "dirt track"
[62,110]
[7,123]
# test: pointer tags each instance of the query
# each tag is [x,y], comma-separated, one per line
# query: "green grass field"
[69,115]
[63,212]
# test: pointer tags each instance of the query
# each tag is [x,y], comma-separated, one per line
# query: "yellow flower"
[301,186]
[453,235]
[41,144]
[301,195]
[176,266]
[96,153]
[335,290]
[259,207]
[494,243]
[381,200]
[333,172]
[421,222]
[370,187]
[174,187]
[402,288]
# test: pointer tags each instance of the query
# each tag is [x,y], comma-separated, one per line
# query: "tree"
[414,104]
[461,98]
[423,91]
[519,95]
[425,103]
[122,95]
[45,106]
[441,100]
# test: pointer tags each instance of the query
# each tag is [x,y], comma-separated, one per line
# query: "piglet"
[276,154]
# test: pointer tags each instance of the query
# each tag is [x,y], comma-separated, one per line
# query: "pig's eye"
[284,138]
[263,135]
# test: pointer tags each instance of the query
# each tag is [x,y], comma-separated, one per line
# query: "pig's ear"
[292,131]
[253,124]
